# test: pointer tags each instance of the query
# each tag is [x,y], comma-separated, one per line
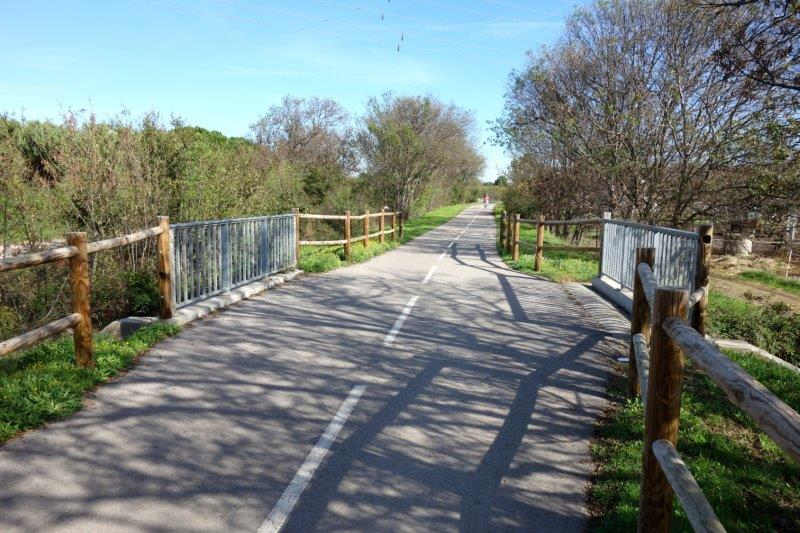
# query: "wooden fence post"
[515,244]
[400,218]
[348,247]
[79,283]
[167,307]
[640,315]
[509,232]
[539,245]
[366,228]
[662,411]
[394,225]
[502,230]
[296,212]
[704,248]
[382,226]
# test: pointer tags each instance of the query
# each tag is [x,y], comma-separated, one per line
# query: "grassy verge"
[559,266]
[773,327]
[771,280]
[325,258]
[43,384]
[749,482]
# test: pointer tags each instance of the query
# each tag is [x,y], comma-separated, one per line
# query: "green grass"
[416,226]
[43,383]
[774,281]
[773,327]
[325,258]
[749,482]
[558,266]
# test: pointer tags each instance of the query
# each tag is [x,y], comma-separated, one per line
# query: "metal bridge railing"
[676,253]
[211,257]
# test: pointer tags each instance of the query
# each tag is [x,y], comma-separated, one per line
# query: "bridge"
[429,389]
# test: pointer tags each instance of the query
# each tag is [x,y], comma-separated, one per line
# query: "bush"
[773,327]
[320,262]
[141,292]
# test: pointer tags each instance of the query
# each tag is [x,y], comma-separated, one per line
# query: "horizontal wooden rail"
[372,215]
[322,217]
[26,340]
[66,252]
[648,282]
[699,512]
[323,243]
[344,241]
[38,258]
[771,415]
[563,222]
[642,354]
[116,242]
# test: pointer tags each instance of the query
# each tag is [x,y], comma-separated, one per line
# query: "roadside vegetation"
[661,112]
[410,153]
[44,384]
[749,482]
[325,258]
[772,326]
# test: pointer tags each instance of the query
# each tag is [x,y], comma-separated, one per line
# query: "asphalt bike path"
[429,389]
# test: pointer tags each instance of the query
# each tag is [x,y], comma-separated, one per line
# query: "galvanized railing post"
[226,256]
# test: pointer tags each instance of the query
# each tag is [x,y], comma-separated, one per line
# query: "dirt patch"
[755,292]
[729,265]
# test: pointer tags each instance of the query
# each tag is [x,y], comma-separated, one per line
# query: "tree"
[629,108]
[408,143]
[759,40]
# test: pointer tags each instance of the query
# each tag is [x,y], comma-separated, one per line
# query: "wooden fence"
[348,240]
[78,250]
[77,254]
[660,338]
[510,240]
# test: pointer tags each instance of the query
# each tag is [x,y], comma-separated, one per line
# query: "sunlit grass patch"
[43,383]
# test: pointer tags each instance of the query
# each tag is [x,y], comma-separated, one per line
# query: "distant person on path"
[485,200]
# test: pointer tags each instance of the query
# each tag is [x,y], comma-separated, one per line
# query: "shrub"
[773,327]
[320,262]
[141,292]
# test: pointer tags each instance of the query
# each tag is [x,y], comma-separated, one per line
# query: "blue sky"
[221,64]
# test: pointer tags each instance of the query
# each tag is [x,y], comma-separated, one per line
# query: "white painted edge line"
[392,335]
[430,273]
[280,513]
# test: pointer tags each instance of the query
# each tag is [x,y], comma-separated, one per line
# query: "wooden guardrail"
[510,235]
[656,372]
[348,240]
[77,253]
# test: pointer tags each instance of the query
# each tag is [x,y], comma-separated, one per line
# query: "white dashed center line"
[280,513]
[390,337]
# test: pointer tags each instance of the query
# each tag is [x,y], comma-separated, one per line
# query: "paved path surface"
[475,416]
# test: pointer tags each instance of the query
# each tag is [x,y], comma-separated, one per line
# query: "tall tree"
[410,142]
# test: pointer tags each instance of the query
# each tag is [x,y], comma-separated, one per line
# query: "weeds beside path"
[749,482]
[44,384]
